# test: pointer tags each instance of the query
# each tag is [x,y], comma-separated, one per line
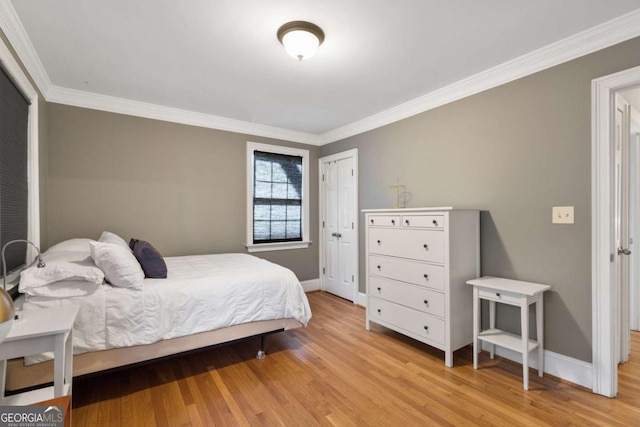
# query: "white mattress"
[201,293]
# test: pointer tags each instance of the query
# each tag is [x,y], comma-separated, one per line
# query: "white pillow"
[108,237]
[61,266]
[120,266]
[74,287]
[73,245]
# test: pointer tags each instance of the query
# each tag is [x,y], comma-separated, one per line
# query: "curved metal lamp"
[7,308]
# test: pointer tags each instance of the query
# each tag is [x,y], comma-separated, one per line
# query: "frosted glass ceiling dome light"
[300,39]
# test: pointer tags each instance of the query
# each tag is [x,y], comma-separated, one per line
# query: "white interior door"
[339,225]
[330,274]
[634,216]
[622,237]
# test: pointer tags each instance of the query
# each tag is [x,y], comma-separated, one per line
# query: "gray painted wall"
[182,188]
[514,152]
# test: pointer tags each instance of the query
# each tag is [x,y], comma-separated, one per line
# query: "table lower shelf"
[505,339]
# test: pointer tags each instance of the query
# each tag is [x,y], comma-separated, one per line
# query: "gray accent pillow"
[150,260]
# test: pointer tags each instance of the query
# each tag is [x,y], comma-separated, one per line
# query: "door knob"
[338,235]
[624,251]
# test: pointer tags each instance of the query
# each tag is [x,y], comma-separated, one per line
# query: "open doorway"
[626,120]
[631,98]
[609,254]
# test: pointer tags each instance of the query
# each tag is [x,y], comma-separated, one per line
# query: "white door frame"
[604,293]
[334,157]
[634,145]
[635,232]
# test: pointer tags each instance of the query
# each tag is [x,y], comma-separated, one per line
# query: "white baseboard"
[311,285]
[558,365]
[362,299]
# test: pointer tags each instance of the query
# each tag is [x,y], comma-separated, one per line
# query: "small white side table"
[512,292]
[40,331]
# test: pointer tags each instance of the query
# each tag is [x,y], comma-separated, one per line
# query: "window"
[19,171]
[277,197]
[14,189]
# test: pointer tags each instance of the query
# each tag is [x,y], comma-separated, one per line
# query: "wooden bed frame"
[20,376]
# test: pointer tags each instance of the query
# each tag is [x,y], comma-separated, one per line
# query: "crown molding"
[113,104]
[602,36]
[15,32]
[15,72]
[596,38]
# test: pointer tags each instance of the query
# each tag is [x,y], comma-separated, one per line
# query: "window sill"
[266,247]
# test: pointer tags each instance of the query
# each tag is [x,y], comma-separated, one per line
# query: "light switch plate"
[562,215]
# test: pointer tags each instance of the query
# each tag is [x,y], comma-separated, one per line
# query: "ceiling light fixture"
[300,39]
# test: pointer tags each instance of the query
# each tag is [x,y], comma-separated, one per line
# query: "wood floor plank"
[334,372]
[235,409]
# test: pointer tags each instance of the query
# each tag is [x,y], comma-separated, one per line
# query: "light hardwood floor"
[336,373]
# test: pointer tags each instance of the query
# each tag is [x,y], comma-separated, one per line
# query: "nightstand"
[511,292]
[65,402]
[36,332]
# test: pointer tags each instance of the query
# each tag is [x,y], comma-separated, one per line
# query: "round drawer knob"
[426,302]
[406,221]
[426,328]
[435,222]
[498,294]
[379,267]
[379,310]
[379,242]
[393,222]
[379,289]
[426,276]
[425,246]
[371,221]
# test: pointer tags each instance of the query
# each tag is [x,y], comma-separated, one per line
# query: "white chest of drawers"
[417,264]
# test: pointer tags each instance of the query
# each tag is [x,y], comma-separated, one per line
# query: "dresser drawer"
[384,220]
[423,221]
[499,296]
[418,273]
[414,321]
[422,245]
[417,297]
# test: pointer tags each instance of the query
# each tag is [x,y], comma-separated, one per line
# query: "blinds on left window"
[14,187]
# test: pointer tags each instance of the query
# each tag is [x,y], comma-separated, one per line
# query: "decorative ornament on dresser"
[417,263]
[402,195]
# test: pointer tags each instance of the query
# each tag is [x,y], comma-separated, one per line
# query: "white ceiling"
[221,58]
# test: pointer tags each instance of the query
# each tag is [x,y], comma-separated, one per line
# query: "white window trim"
[11,66]
[278,149]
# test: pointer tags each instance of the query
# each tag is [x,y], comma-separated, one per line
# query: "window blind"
[277,197]
[14,188]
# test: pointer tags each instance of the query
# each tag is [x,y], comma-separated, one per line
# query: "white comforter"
[201,293]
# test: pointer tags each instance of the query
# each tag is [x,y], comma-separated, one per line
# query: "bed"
[204,300]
